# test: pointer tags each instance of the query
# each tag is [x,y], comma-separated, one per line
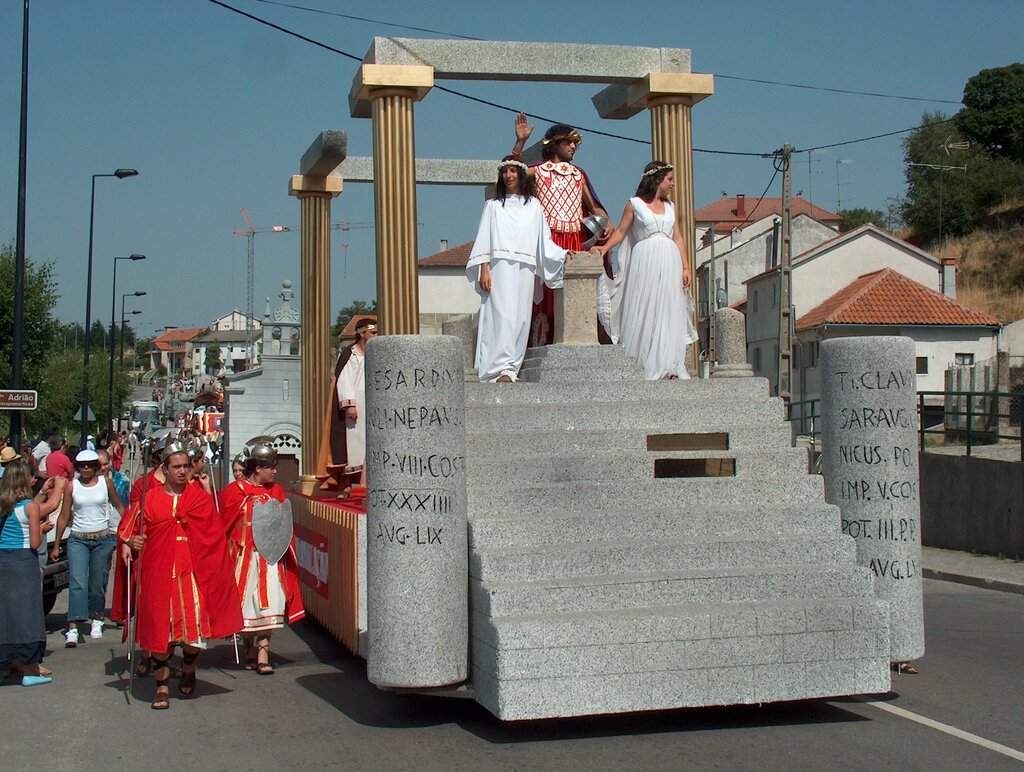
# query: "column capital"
[622,101]
[304,186]
[376,80]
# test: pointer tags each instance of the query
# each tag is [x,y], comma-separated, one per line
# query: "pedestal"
[870,466]
[416,544]
[576,303]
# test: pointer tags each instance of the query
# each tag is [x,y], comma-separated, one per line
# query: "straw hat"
[9,454]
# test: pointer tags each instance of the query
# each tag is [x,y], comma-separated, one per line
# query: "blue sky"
[215,111]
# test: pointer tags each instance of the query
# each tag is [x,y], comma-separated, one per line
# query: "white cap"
[85,456]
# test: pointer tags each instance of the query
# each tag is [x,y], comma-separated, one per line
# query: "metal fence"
[976,417]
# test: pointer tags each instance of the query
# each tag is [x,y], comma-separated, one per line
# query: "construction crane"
[250,277]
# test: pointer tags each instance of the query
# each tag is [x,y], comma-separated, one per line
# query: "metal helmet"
[173,448]
[593,227]
[261,453]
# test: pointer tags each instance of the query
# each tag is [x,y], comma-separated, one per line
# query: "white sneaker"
[71,638]
[97,629]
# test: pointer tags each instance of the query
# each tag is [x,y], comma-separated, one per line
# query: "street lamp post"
[113,306]
[138,294]
[120,174]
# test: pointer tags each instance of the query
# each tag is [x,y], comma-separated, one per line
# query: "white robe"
[352,393]
[514,239]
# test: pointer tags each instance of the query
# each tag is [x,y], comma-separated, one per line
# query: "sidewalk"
[978,570]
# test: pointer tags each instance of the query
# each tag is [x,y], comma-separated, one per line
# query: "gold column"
[315,194]
[389,90]
[394,198]
[672,141]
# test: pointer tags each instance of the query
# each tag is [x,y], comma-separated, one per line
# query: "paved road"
[318,712]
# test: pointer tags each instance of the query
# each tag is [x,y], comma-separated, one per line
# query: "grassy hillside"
[990,263]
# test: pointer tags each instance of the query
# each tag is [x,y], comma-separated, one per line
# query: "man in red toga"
[566,195]
[186,590]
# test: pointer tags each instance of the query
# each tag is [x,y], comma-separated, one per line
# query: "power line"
[717,75]
[535,116]
[832,90]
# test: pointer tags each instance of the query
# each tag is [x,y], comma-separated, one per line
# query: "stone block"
[429,171]
[417,617]
[808,647]
[870,466]
[463,328]
[576,305]
[529,61]
[837,616]
[781,619]
[324,154]
[802,680]
[860,644]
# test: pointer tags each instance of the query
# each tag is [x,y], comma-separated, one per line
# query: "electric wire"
[535,116]
[805,86]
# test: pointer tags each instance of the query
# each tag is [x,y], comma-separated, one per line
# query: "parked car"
[55,573]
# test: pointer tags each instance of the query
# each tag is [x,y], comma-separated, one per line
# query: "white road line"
[947,729]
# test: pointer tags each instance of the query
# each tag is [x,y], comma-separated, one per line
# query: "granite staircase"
[642,545]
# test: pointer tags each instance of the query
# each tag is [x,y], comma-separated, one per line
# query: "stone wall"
[972,504]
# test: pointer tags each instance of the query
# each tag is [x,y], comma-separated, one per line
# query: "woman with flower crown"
[651,309]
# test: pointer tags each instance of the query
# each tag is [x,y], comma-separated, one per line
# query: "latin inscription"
[877,466]
[434,465]
[416,378]
[414,417]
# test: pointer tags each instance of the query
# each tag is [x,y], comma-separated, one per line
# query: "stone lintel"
[323,156]
[418,78]
[429,171]
[331,184]
[526,61]
[622,101]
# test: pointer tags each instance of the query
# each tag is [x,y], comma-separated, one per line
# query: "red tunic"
[186,589]
[236,502]
[119,600]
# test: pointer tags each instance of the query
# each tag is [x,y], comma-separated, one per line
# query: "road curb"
[974,581]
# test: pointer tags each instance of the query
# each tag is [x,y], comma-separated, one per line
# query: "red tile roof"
[456,257]
[179,335]
[887,297]
[725,210]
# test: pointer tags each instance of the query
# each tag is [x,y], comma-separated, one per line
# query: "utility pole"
[786,278]
[940,168]
[712,299]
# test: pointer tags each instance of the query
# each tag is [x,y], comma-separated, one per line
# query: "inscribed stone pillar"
[870,466]
[576,304]
[416,548]
[315,194]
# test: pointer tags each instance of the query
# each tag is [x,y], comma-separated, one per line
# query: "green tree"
[345,314]
[993,114]
[854,218]
[41,331]
[213,361]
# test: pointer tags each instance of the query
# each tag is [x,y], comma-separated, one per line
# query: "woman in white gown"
[651,308]
[512,255]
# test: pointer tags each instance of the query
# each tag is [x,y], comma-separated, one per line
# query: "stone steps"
[626,524]
[673,416]
[484,440]
[544,562]
[691,494]
[665,588]
[530,468]
[701,391]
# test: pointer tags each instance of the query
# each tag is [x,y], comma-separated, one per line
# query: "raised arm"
[523,132]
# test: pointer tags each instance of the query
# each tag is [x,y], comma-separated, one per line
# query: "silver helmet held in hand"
[593,227]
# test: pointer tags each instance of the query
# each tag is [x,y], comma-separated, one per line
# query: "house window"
[812,353]
[963,360]
[796,356]
[754,304]
[757,356]
[922,365]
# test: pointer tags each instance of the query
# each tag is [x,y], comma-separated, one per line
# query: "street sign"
[78,415]
[18,399]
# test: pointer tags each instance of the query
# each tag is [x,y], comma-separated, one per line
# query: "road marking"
[947,729]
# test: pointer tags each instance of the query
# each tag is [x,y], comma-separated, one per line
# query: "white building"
[444,290]
[867,282]
[235,320]
[735,219]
